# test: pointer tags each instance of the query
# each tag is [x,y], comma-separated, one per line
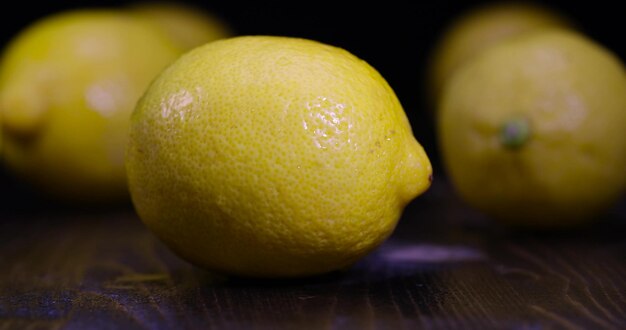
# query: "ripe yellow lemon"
[272,157]
[68,85]
[185,25]
[481,28]
[532,130]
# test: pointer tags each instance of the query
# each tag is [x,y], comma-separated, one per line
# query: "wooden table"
[444,267]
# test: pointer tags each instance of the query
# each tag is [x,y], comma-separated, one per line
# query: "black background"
[396,37]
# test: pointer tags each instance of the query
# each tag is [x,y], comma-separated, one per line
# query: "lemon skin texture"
[567,167]
[186,26]
[272,157]
[68,85]
[483,27]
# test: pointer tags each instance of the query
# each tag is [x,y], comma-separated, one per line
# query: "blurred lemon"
[273,157]
[68,85]
[532,130]
[185,25]
[481,28]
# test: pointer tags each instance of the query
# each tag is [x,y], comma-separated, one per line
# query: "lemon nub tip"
[515,133]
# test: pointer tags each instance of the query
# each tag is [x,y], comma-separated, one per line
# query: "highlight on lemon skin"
[272,157]
[68,84]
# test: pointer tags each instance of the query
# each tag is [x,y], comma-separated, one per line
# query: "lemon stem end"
[515,133]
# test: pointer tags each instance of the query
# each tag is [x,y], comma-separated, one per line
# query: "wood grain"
[445,267]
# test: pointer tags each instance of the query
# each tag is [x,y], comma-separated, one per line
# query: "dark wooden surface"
[445,267]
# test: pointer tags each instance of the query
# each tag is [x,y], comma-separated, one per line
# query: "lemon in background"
[185,25]
[532,130]
[68,84]
[272,157]
[481,28]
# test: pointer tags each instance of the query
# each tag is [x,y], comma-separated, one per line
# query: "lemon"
[481,28]
[68,85]
[185,25]
[532,130]
[272,157]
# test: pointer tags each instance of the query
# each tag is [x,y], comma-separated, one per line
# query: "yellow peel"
[571,93]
